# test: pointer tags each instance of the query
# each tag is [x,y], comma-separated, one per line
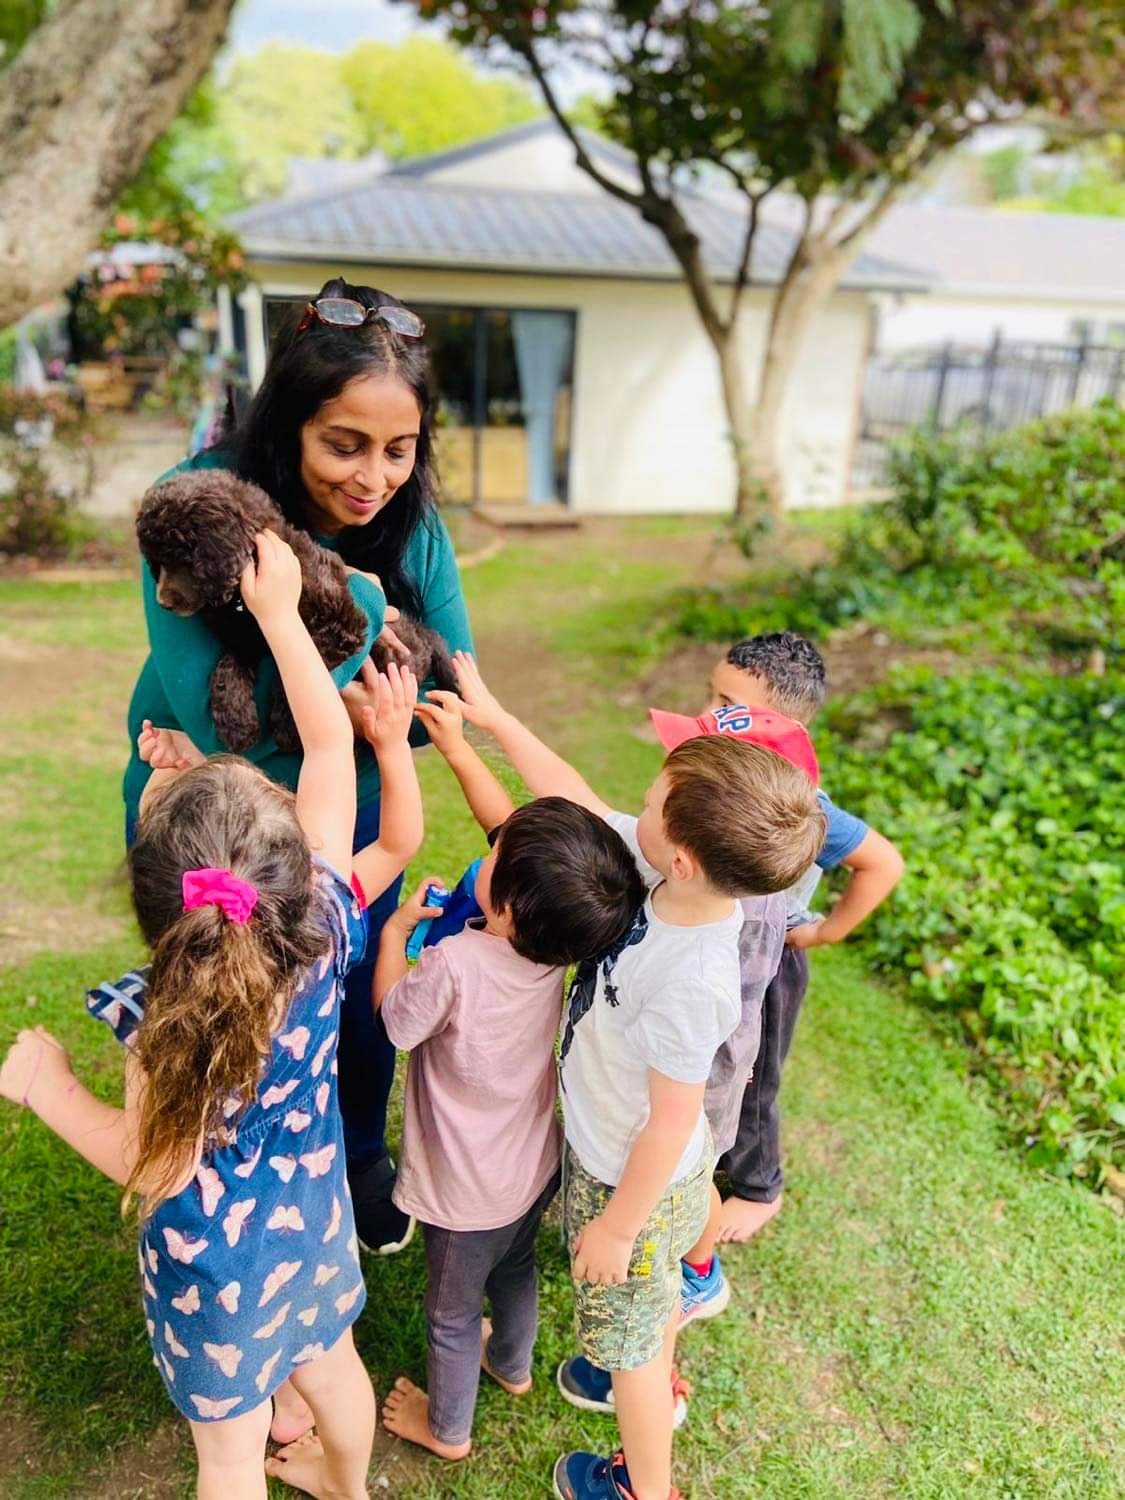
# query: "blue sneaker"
[703,1296]
[590,1388]
[585,1476]
[584,1385]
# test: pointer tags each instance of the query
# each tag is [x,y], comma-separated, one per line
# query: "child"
[231,1135]
[479,1014]
[723,819]
[783,671]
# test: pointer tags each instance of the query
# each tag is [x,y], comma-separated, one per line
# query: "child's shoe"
[586,1386]
[585,1476]
[703,1296]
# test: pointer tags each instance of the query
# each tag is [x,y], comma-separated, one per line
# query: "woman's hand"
[386,719]
[271,582]
[444,720]
[390,615]
[478,705]
[38,1062]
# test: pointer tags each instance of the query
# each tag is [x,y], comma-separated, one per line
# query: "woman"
[339,434]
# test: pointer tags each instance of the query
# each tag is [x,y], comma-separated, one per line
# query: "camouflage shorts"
[622,1327]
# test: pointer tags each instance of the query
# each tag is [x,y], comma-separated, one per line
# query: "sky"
[338,24]
[334,24]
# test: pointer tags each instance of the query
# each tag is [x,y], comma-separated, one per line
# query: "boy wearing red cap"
[723,819]
[785,673]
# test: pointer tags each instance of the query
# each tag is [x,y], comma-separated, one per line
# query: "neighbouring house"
[570,363]
[1022,277]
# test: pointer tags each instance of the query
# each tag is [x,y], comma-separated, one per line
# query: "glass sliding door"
[517,370]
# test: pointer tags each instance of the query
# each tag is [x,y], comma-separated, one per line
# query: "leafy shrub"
[39,505]
[1023,528]
[1007,797]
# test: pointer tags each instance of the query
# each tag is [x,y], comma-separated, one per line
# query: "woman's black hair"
[305,370]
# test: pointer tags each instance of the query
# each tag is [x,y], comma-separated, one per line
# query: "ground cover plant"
[1007,794]
[927,1318]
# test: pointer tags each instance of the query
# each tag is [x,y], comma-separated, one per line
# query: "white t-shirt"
[674,997]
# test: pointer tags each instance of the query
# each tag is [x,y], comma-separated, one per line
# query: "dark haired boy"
[785,672]
[723,819]
[479,1014]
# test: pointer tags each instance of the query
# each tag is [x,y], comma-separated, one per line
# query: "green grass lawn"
[927,1317]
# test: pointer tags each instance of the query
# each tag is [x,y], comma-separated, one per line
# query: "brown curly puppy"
[196,532]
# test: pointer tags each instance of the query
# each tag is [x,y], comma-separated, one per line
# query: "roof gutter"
[284,253]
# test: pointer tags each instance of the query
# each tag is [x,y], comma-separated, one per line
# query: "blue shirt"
[845,833]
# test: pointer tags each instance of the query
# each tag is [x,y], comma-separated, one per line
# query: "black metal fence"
[989,388]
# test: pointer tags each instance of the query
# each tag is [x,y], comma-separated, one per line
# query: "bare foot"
[513,1387]
[302,1466]
[292,1416]
[406,1413]
[740,1220]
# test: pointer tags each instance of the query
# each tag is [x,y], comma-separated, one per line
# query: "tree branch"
[526,47]
[742,275]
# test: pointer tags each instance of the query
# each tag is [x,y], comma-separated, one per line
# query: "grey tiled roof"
[990,250]
[396,217]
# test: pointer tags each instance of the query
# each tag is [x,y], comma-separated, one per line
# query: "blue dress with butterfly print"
[253,1269]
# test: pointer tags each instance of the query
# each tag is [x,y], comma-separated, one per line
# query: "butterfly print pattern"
[237,1289]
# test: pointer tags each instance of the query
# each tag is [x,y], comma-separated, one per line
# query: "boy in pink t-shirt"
[481,1141]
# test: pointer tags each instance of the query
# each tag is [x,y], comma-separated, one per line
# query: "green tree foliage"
[232,144]
[1098,187]
[423,96]
[285,101]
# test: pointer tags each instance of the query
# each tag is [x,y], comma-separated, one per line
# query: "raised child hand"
[36,1061]
[271,581]
[386,717]
[167,749]
[478,705]
[444,718]
[414,909]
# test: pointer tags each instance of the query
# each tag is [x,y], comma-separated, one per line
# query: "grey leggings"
[464,1267]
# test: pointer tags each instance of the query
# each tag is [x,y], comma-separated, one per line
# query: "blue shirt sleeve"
[845,834]
[122,1005]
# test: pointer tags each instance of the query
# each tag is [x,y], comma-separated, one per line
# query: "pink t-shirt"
[480,1135]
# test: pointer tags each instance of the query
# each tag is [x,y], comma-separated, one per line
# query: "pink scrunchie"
[237,898]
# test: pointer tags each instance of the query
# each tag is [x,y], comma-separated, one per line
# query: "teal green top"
[174,687]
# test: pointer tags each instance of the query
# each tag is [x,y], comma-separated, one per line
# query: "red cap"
[758,726]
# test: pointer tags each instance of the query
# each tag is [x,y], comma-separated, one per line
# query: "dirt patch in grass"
[36,677]
[854,658]
[21,1449]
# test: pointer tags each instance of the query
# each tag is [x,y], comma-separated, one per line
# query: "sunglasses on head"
[344,312]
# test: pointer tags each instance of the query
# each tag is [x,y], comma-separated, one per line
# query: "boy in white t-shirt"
[724,818]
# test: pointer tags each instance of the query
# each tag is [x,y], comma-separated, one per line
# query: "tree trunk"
[79,109]
[747,494]
[798,299]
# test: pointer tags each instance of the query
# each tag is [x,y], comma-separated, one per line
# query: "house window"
[504,381]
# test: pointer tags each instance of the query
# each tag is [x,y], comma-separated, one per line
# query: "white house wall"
[917,322]
[649,433]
